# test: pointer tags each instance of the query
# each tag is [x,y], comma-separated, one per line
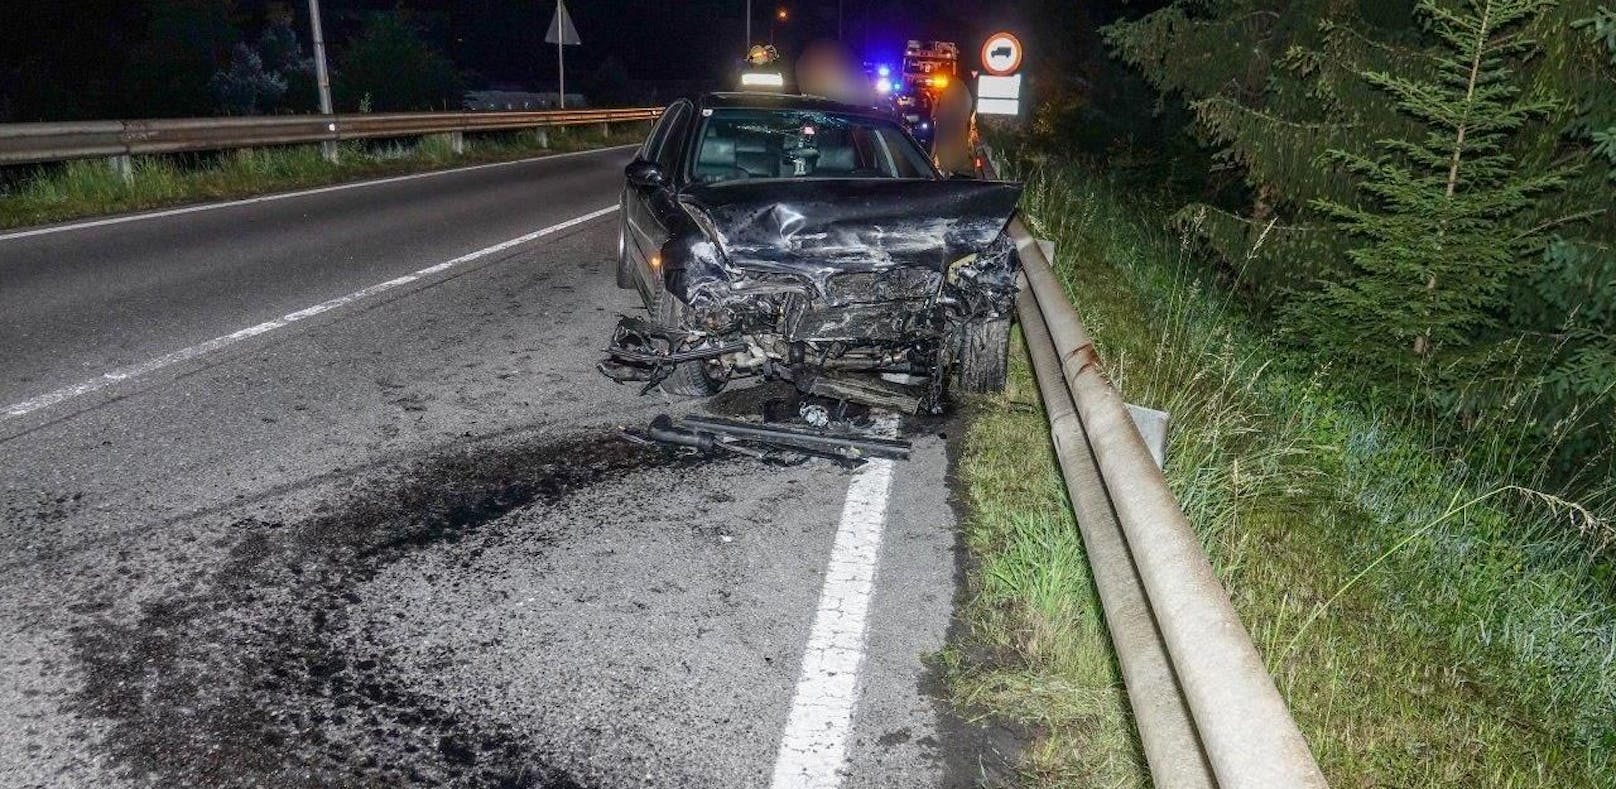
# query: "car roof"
[762,100]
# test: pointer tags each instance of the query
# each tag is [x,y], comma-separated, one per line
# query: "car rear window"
[739,144]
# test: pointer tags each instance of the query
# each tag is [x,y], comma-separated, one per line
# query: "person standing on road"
[952,119]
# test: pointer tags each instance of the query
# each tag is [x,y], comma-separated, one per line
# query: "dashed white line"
[191,209]
[814,746]
[184,354]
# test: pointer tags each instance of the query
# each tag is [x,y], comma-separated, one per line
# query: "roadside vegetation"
[58,192]
[1431,619]
[1363,253]
[198,60]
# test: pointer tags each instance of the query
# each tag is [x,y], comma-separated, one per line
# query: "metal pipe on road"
[1245,728]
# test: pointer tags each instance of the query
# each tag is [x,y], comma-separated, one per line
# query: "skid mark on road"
[814,746]
[259,674]
[185,354]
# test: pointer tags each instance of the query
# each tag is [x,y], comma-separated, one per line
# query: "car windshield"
[738,144]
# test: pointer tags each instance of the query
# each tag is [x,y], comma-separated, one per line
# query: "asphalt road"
[395,540]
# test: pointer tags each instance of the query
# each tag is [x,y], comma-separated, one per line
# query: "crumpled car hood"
[813,226]
[804,279]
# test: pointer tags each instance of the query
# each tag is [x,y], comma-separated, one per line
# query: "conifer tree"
[1273,86]
[1278,94]
[1440,229]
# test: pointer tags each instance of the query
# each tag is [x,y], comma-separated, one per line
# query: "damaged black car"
[802,239]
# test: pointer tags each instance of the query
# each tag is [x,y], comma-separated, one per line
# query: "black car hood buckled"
[809,225]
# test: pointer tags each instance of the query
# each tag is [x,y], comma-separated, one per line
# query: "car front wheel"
[625,272]
[982,356]
[689,379]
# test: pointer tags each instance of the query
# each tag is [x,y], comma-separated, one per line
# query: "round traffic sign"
[1001,54]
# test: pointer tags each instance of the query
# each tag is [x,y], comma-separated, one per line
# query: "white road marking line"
[814,746]
[184,354]
[191,209]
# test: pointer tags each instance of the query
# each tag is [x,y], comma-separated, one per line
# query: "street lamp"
[780,16]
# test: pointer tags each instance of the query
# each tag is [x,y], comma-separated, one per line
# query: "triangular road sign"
[561,29]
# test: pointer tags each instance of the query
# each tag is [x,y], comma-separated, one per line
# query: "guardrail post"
[544,137]
[605,129]
[124,165]
[457,142]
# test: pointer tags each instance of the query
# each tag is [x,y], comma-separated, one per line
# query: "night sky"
[689,39]
[684,39]
[81,48]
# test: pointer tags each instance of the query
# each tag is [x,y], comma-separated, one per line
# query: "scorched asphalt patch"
[256,676]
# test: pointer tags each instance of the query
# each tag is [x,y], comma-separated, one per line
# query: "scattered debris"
[815,415]
[772,443]
[828,284]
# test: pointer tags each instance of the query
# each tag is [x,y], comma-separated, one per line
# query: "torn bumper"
[794,279]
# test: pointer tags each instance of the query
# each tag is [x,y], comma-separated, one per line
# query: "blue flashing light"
[883,70]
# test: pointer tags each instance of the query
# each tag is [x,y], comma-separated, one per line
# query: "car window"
[659,132]
[674,142]
[738,144]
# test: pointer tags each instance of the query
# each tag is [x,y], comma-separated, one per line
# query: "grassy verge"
[54,193]
[1429,623]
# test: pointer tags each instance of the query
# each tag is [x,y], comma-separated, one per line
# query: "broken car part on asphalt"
[768,442]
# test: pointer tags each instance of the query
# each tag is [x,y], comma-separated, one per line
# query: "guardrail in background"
[1207,712]
[27,143]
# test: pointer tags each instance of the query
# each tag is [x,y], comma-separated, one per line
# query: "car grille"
[869,287]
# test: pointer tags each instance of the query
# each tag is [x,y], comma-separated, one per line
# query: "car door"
[643,206]
[631,205]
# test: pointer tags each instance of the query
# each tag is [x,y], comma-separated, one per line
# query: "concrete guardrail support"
[123,165]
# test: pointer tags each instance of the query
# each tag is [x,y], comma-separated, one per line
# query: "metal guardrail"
[26,143]
[1206,710]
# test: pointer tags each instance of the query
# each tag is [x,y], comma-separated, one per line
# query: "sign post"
[322,79]
[998,89]
[563,35]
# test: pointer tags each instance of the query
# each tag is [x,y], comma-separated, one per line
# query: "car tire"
[689,379]
[625,269]
[982,359]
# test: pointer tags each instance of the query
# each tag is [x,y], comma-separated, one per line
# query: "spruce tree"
[1440,226]
[1273,87]
[1278,94]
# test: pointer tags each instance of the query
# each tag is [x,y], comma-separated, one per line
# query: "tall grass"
[89,187]
[1431,619]
[1037,650]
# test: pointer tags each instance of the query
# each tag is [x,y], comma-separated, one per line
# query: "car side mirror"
[645,175]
